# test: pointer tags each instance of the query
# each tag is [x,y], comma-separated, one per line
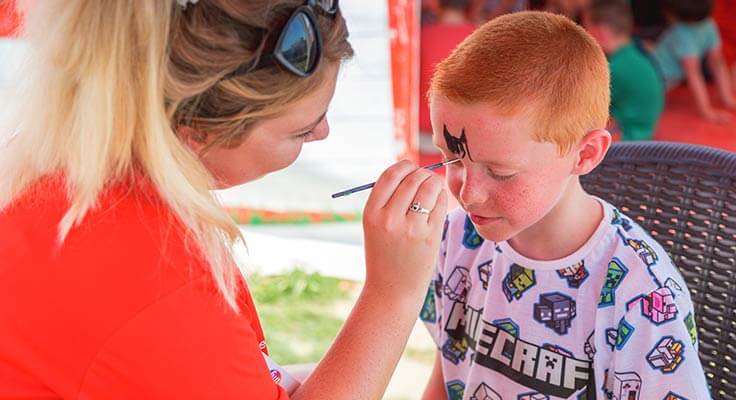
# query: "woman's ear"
[591,150]
[195,139]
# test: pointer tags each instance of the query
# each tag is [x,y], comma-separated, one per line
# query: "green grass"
[300,313]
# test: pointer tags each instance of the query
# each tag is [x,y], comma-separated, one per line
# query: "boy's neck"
[564,230]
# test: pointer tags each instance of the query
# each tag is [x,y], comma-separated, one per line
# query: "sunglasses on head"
[299,45]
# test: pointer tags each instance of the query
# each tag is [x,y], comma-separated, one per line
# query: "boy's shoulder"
[639,266]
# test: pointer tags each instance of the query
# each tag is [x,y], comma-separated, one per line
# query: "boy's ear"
[591,150]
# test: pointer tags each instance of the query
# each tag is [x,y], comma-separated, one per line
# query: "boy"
[693,36]
[637,92]
[543,291]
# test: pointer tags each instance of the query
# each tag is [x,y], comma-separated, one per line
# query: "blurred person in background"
[637,91]
[692,37]
[572,9]
[484,10]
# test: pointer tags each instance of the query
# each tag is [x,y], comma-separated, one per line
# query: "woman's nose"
[320,132]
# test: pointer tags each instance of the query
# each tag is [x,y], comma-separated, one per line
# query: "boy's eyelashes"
[489,171]
[499,177]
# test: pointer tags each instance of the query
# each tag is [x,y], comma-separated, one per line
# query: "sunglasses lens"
[299,44]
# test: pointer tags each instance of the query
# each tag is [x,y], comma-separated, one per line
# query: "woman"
[116,278]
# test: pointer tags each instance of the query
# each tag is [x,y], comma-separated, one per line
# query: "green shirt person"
[637,93]
[637,89]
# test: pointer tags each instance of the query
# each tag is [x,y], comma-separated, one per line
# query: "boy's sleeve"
[656,352]
[431,313]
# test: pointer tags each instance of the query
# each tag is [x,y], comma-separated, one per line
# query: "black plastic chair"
[685,195]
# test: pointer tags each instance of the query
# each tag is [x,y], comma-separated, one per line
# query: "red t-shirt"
[122,310]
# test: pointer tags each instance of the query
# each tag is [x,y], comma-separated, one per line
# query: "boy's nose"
[471,192]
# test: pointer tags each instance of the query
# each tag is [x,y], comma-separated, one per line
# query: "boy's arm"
[695,81]
[718,66]
[435,389]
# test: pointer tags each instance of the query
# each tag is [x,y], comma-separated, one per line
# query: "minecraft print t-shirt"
[614,320]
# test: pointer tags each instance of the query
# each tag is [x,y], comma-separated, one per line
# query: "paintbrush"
[370,185]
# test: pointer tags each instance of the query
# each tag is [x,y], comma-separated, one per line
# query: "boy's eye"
[499,177]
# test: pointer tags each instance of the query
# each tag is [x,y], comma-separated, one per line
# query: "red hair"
[536,63]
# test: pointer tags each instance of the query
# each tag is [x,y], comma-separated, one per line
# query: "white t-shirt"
[614,320]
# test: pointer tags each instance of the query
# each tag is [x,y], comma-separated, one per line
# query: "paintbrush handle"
[370,185]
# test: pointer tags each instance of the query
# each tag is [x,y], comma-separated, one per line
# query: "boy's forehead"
[492,138]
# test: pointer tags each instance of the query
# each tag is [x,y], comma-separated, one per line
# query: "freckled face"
[512,181]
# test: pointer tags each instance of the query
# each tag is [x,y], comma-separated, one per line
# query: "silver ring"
[417,208]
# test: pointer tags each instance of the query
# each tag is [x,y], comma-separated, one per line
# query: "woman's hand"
[401,245]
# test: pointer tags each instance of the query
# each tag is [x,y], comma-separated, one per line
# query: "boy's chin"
[494,234]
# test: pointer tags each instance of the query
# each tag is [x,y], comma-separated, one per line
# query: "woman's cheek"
[288,155]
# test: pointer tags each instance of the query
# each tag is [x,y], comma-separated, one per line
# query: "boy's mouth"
[479,220]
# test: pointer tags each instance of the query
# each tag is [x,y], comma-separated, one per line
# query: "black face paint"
[458,146]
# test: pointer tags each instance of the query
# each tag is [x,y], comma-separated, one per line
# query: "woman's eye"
[303,135]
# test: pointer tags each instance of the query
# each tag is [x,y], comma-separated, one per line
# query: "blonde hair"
[535,63]
[108,82]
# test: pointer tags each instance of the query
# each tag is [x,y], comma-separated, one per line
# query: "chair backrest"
[685,196]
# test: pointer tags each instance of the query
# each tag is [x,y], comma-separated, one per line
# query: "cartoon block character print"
[623,334]
[673,286]
[666,355]
[532,396]
[614,276]
[471,239]
[517,281]
[659,306]
[558,349]
[589,347]
[644,251]
[458,284]
[673,396]
[444,229]
[556,311]
[438,286]
[429,309]
[626,386]
[611,336]
[455,389]
[692,330]
[620,219]
[508,325]
[454,350]
[484,392]
[575,274]
[484,273]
